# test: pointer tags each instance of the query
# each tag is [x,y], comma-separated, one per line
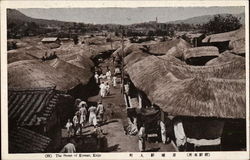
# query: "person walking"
[117,71]
[100,111]
[102,89]
[107,89]
[83,114]
[97,78]
[92,115]
[163,132]
[69,126]
[108,74]
[142,138]
[69,147]
[114,81]
[126,88]
[76,123]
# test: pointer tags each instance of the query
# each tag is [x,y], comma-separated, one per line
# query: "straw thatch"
[163,47]
[17,55]
[227,36]
[82,74]
[237,46]
[129,48]
[226,57]
[134,57]
[203,97]
[201,52]
[35,74]
[174,51]
[80,61]
[173,87]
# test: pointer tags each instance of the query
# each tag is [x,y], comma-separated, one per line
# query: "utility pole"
[111,42]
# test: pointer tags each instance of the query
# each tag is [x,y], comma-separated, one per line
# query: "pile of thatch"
[174,88]
[207,51]
[36,74]
[226,57]
[82,74]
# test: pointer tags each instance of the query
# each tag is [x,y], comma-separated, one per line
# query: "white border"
[97,4]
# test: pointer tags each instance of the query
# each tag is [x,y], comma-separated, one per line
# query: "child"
[69,126]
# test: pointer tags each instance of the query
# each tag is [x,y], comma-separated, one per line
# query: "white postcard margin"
[98,4]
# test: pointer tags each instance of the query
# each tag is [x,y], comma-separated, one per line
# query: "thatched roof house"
[234,40]
[129,48]
[79,61]
[134,57]
[226,36]
[17,55]
[226,57]
[35,74]
[201,52]
[200,55]
[177,89]
[79,73]
[161,48]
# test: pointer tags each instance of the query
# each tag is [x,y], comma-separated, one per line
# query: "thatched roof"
[36,74]
[174,51]
[82,74]
[163,47]
[203,97]
[175,89]
[129,48]
[237,46]
[80,61]
[226,57]
[174,47]
[134,57]
[227,36]
[17,55]
[201,52]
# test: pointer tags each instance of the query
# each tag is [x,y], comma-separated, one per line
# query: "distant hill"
[16,16]
[205,19]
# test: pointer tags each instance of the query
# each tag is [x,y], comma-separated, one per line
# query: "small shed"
[51,40]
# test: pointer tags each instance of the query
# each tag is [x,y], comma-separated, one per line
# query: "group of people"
[105,85]
[94,114]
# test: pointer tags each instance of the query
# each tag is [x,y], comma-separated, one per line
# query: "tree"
[220,24]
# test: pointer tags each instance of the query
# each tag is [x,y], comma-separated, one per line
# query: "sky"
[126,15]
